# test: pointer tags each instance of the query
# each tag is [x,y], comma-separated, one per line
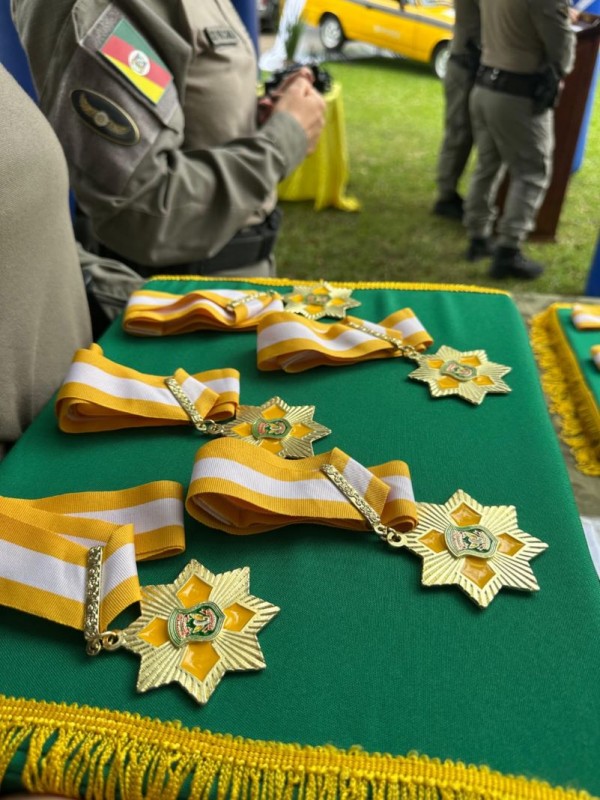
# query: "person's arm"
[147,199]
[553,25]
[179,207]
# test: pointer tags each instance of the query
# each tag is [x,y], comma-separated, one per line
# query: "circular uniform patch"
[105,117]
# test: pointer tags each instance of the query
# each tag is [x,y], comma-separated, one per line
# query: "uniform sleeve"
[551,20]
[122,132]
[178,207]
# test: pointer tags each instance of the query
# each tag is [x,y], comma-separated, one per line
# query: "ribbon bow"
[294,344]
[101,395]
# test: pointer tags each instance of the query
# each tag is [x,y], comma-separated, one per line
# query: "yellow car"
[417,29]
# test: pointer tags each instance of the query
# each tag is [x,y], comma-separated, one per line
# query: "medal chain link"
[202,425]
[388,535]
[96,641]
[248,297]
[406,350]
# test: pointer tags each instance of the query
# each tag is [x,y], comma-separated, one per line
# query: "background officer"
[154,102]
[465,51]
[527,48]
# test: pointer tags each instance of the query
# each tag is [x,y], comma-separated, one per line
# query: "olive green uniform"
[169,181]
[44,313]
[458,82]
[519,39]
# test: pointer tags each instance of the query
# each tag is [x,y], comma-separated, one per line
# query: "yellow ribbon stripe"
[44,547]
[292,343]
[241,489]
[595,353]
[155,509]
[100,395]
[150,313]
[586,316]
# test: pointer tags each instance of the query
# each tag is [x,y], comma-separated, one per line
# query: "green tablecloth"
[360,654]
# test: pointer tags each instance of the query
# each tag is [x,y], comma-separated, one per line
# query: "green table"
[361,655]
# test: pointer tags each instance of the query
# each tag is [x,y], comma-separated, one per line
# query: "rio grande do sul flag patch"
[130,53]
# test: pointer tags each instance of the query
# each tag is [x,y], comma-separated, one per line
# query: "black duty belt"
[500,80]
[249,246]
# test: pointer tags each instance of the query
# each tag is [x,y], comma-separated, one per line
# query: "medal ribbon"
[241,489]
[586,317]
[101,395]
[595,352]
[150,313]
[44,547]
[294,344]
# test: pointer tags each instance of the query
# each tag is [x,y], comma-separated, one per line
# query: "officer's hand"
[306,105]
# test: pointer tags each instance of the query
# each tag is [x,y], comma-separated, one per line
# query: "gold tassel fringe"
[566,388]
[408,287]
[77,751]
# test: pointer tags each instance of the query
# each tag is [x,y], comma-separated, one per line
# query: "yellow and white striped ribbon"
[294,344]
[586,316]
[240,489]
[150,313]
[44,547]
[595,352]
[101,395]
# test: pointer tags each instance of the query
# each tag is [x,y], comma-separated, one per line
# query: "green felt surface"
[581,343]
[360,653]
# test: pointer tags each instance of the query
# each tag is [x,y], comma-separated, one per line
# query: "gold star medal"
[322,300]
[466,374]
[287,431]
[479,548]
[196,629]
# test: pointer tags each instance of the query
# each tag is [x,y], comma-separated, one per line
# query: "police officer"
[154,102]
[527,48]
[459,79]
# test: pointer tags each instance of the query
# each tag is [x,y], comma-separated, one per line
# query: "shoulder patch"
[128,51]
[105,117]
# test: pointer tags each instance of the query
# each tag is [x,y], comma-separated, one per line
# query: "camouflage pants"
[508,137]
[458,138]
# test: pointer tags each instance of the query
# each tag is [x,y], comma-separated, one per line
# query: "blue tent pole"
[12,55]
[248,12]
[592,288]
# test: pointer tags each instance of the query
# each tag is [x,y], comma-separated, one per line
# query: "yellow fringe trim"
[567,390]
[409,287]
[77,751]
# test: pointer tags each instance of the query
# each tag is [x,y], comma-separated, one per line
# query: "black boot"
[479,248]
[509,262]
[450,207]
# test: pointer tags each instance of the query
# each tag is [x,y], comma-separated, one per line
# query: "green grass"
[394,115]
